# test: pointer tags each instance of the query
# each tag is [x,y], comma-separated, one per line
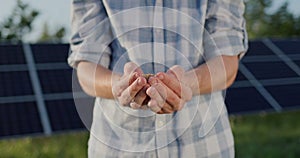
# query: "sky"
[57,13]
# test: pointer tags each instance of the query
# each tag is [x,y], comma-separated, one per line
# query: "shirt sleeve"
[91,33]
[225,31]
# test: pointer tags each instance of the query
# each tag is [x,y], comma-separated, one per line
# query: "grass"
[70,145]
[256,136]
[267,136]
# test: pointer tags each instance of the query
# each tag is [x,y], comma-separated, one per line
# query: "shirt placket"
[158,37]
[159,57]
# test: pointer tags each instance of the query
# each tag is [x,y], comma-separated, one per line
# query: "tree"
[18,24]
[48,37]
[261,24]
[283,23]
[256,16]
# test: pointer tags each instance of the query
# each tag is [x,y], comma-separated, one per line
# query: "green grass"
[256,136]
[267,136]
[70,145]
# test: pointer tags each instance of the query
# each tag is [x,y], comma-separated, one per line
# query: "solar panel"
[267,58]
[298,63]
[288,46]
[49,53]
[56,81]
[287,96]
[240,76]
[269,70]
[19,118]
[11,54]
[63,115]
[15,83]
[258,48]
[242,100]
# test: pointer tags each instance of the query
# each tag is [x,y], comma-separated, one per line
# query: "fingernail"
[153,80]
[150,91]
[134,105]
[160,76]
[140,82]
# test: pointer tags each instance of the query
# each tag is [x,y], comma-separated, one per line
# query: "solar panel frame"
[240,76]
[290,46]
[237,100]
[258,48]
[269,70]
[286,95]
[297,63]
[63,115]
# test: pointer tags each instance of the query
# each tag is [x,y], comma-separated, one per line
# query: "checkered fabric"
[157,35]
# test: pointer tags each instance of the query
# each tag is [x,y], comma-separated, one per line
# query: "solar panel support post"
[260,88]
[282,55]
[37,89]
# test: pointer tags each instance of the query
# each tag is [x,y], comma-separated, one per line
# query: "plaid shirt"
[157,35]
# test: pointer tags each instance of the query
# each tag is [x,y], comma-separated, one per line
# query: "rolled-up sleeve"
[225,31]
[91,33]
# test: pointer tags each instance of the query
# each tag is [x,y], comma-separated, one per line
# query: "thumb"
[176,71]
[129,68]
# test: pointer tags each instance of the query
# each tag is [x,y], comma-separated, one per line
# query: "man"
[192,49]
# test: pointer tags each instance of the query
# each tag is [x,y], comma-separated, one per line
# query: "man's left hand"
[167,92]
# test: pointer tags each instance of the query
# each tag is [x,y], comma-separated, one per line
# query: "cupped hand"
[168,93]
[130,88]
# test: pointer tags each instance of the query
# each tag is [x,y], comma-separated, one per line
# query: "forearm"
[216,74]
[95,80]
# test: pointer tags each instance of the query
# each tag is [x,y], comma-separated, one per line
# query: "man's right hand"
[130,89]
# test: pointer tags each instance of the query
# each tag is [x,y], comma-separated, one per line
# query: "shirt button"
[158,2]
[152,155]
[160,123]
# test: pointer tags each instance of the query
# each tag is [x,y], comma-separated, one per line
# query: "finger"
[145,102]
[179,72]
[131,67]
[122,84]
[152,104]
[144,107]
[130,92]
[167,108]
[175,85]
[141,95]
[139,71]
[167,111]
[172,99]
[176,71]
[170,81]
[134,105]
[131,78]
[155,95]
[160,112]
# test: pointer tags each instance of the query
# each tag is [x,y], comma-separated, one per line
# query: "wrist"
[191,80]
